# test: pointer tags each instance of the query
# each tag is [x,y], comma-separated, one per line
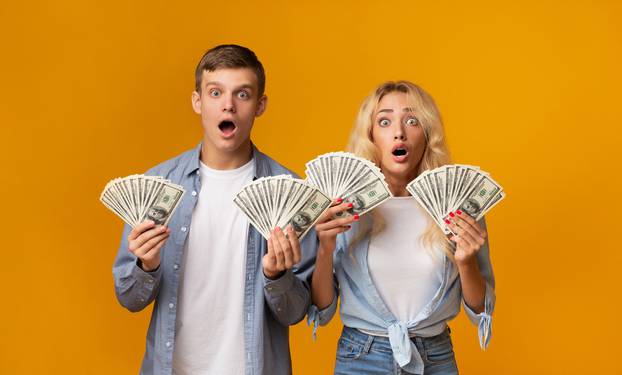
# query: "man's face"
[228,104]
[399,137]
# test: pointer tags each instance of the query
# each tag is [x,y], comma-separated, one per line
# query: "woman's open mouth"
[400,153]
[227,128]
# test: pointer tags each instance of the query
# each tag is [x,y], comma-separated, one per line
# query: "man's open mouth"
[227,127]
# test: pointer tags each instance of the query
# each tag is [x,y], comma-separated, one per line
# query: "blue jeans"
[360,353]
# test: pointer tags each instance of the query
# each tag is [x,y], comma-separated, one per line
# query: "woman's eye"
[243,95]
[412,121]
[214,93]
[384,122]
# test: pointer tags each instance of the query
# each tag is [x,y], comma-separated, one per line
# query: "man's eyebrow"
[217,83]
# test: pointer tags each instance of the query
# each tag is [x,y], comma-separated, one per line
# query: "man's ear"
[261,107]
[196,102]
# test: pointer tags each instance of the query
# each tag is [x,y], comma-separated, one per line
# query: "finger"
[269,257]
[336,231]
[336,201]
[148,246]
[286,247]
[463,235]
[155,252]
[474,235]
[470,220]
[270,246]
[347,220]
[334,210]
[294,243]
[147,236]
[278,252]
[140,228]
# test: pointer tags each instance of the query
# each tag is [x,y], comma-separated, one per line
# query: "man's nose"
[228,105]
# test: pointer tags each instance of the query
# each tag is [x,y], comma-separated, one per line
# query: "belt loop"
[370,340]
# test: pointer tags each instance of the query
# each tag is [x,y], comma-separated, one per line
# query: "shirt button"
[168,344]
[175,266]
[279,309]
[194,193]
[171,305]
[183,229]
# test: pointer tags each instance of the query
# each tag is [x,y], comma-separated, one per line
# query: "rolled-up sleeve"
[483,320]
[135,289]
[289,296]
[317,317]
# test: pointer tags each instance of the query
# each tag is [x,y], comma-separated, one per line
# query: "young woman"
[399,277]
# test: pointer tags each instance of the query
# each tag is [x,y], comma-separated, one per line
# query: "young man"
[224,297]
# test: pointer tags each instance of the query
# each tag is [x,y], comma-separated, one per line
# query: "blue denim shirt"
[362,307]
[270,306]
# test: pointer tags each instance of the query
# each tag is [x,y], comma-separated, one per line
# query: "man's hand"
[145,242]
[283,252]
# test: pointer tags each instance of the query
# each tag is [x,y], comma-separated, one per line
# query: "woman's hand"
[328,226]
[469,238]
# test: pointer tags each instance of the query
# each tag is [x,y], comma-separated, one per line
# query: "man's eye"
[243,95]
[384,122]
[214,93]
[412,121]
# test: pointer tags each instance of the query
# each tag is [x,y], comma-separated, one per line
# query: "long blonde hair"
[435,155]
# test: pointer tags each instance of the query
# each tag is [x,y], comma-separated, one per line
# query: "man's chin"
[230,145]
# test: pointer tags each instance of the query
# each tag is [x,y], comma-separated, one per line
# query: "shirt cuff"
[483,320]
[319,317]
[145,277]
[279,286]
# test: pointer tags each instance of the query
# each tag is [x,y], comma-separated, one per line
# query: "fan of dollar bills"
[452,187]
[355,180]
[274,201]
[137,198]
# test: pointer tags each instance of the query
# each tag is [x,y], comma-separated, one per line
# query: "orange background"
[93,90]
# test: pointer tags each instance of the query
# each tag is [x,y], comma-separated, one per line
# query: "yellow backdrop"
[93,90]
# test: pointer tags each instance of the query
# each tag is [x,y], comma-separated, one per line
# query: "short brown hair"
[230,56]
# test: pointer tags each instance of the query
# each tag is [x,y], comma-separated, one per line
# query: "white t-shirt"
[210,315]
[406,274]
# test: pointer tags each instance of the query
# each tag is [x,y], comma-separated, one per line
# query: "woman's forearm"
[473,285]
[322,290]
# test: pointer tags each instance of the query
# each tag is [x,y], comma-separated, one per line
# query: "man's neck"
[217,159]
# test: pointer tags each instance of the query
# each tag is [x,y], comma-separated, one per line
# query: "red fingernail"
[350,205]
[447,222]
[451,214]
[339,200]
[459,212]
[356,217]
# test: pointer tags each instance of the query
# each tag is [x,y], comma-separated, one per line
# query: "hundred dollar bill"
[165,204]
[367,198]
[309,213]
[480,197]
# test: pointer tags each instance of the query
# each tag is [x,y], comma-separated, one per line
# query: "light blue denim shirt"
[362,307]
[270,306]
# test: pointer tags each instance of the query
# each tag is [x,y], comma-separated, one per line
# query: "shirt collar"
[261,168]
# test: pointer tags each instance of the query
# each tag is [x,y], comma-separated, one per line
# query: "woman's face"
[398,136]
